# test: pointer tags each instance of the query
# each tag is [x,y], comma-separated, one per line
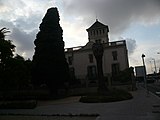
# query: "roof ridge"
[97,24]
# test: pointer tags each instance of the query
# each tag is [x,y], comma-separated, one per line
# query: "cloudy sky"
[137,21]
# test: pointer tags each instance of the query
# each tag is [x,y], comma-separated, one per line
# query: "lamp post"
[158,65]
[154,65]
[144,72]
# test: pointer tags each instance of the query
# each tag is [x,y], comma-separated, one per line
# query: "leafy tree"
[18,71]
[14,71]
[49,63]
[2,33]
[124,77]
[6,53]
[6,47]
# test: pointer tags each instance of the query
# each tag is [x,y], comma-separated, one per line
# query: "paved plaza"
[142,107]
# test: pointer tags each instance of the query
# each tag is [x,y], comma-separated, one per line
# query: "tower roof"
[97,24]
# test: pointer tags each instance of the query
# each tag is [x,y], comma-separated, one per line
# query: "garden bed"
[112,95]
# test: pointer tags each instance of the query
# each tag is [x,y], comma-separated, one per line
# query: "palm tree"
[98,53]
[6,46]
[2,33]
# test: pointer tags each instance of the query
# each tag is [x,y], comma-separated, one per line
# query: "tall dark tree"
[49,63]
[98,53]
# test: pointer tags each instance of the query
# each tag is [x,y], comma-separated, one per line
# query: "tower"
[98,32]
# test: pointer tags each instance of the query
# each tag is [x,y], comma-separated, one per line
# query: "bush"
[110,96]
[23,95]
[123,77]
[30,104]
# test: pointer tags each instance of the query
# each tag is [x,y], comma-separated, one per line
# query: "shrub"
[30,104]
[110,96]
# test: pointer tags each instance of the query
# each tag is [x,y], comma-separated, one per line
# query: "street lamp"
[144,72]
[158,53]
[155,65]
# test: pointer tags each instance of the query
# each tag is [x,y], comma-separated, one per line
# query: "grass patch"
[27,104]
[112,95]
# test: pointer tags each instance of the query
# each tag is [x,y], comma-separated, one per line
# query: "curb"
[149,92]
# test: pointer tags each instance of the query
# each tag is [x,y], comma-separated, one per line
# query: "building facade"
[82,62]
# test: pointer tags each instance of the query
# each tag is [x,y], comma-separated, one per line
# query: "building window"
[115,68]
[98,41]
[103,31]
[72,72]
[70,60]
[100,32]
[91,33]
[94,32]
[114,55]
[90,58]
[97,32]
[92,74]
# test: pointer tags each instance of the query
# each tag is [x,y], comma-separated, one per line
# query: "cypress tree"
[49,63]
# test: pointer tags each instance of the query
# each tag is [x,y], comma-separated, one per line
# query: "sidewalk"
[141,107]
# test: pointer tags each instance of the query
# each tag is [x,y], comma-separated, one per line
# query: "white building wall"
[81,60]
[98,32]
[108,59]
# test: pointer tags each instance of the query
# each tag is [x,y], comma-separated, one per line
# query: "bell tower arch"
[98,32]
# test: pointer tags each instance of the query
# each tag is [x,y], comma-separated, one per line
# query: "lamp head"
[143,55]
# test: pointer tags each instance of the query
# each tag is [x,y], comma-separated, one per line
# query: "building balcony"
[110,44]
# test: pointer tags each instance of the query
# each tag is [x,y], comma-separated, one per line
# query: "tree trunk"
[101,81]
[98,53]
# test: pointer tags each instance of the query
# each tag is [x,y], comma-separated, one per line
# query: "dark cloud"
[1,3]
[118,14]
[6,24]
[23,26]
[23,19]
[22,33]
[23,41]
[28,23]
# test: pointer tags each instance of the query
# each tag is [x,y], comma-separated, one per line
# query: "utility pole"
[144,72]
[154,65]
[159,67]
